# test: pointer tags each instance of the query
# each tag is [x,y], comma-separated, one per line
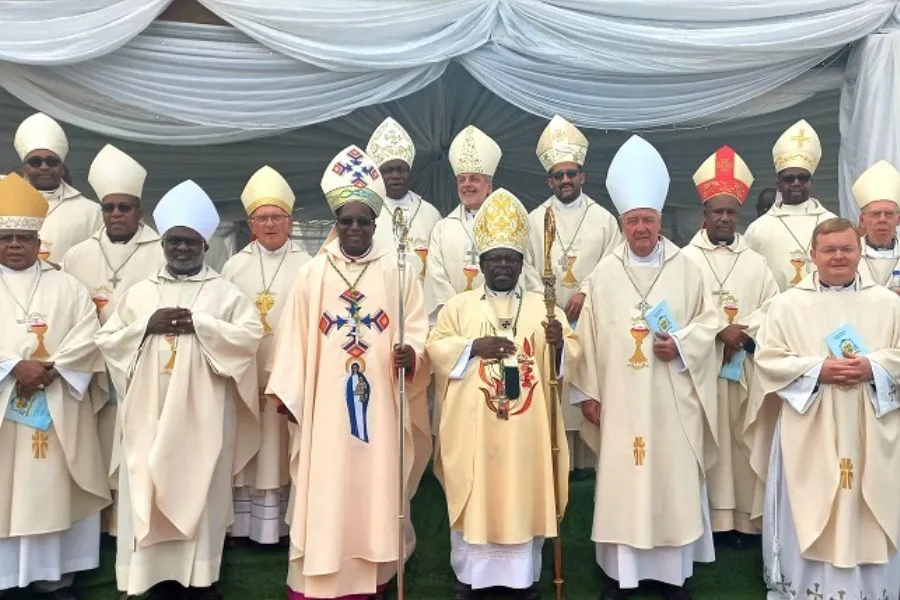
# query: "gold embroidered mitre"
[724,173]
[501,222]
[22,207]
[472,151]
[353,177]
[40,132]
[561,142]
[114,172]
[881,181]
[799,146]
[391,142]
[267,187]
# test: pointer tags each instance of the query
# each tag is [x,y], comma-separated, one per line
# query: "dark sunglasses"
[23,238]
[570,173]
[123,207]
[802,178]
[35,162]
[360,221]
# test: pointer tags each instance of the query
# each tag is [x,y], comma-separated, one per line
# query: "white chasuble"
[783,236]
[190,421]
[71,219]
[262,488]
[828,453]
[488,464]
[421,218]
[107,270]
[878,265]
[741,285]
[585,233]
[659,419]
[332,369]
[53,480]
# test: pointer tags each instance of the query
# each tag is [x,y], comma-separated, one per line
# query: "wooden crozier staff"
[401,232]
[549,280]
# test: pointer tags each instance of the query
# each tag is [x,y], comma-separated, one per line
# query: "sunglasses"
[123,207]
[802,178]
[360,221]
[35,162]
[570,173]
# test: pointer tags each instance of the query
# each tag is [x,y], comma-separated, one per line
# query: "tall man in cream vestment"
[113,259]
[180,348]
[825,437]
[42,145]
[585,233]
[784,233]
[877,192]
[494,442]
[51,473]
[741,285]
[265,271]
[335,369]
[655,436]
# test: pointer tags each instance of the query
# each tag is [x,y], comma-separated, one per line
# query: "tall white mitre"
[637,177]
[186,205]
[267,187]
[561,142]
[798,147]
[114,172]
[40,132]
[881,181]
[390,141]
[472,151]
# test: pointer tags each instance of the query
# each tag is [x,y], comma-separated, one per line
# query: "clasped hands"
[32,375]
[847,371]
[171,321]
[498,348]
[733,337]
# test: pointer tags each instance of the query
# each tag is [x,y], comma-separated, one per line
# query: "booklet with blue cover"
[845,338]
[32,412]
[660,319]
[732,370]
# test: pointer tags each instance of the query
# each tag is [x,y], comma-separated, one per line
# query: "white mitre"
[352,176]
[267,187]
[390,141]
[561,142]
[186,205]
[40,132]
[881,181]
[114,172]
[472,151]
[637,177]
[799,147]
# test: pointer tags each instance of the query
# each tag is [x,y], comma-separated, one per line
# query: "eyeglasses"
[123,207]
[274,219]
[360,221]
[570,173]
[791,178]
[23,238]
[401,168]
[35,162]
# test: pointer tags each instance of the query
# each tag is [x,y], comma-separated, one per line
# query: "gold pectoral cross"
[264,303]
[639,449]
[846,466]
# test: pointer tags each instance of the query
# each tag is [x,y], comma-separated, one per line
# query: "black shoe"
[614,592]
[529,593]
[675,592]
[203,593]
[167,590]
[66,593]
[461,591]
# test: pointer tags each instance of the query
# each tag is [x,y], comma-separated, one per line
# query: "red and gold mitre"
[723,173]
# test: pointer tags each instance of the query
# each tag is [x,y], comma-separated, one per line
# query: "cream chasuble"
[332,368]
[263,486]
[741,285]
[107,270]
[190,421]
[878,265]
[783,236]
[54,482]
[585,233]
[659,420]
[71,219]
[827,453]
[488,465]
[421,218]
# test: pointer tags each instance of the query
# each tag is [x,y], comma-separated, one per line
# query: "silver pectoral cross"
[642,307]
[114,280]
[472,255]
[564,261]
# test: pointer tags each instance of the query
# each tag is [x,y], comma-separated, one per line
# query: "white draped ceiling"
[293,81]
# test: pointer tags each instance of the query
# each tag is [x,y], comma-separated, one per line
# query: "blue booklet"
[32,412]
[845,338]
[732,370]
[660,319]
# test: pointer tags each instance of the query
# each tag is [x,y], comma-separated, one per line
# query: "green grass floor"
[258,573]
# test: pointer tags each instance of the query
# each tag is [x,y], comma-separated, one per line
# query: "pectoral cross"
[846,466]
[642,307]
[472,255]
[114,280]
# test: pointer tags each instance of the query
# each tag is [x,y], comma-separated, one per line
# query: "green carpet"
[258,573]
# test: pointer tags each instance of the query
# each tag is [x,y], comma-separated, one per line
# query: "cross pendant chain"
[114,280]
[472,255]
[643,307]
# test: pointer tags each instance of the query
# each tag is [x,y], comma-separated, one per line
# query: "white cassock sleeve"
[801,392]
[882,391]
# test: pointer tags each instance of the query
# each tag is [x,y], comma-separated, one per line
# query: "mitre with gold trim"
[724,173]
[22,207]
[390,141]
[501,222]
[267,187]
[561,142]
[799,147]
[352,176]
[472,151]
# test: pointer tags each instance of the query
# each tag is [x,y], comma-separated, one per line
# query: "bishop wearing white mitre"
[877,192]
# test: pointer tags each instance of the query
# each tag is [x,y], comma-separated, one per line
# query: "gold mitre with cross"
[267,187]
[114,172]
[724,173]
[390,141]
[798,147]
[561,142]
[501,222]
[40,132]
[472,151]
[22,207]
[881,181]
[352,176]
